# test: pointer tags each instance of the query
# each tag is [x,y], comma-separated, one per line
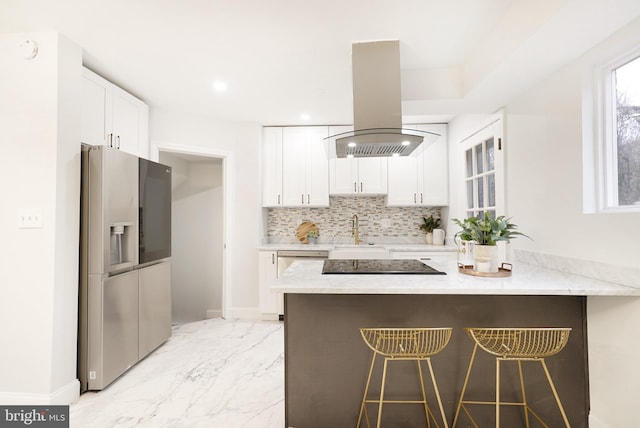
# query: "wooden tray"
[503,271]
[304,228]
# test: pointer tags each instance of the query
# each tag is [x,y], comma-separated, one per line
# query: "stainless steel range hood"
[377,108]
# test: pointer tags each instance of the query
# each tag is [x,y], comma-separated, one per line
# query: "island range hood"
[377,108]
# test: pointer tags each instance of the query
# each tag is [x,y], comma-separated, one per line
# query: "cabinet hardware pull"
[273,258]
[302,198]
[110,140]
[420,197]
[355,187]
[308,198]
[278,199]
[361,187]
[118,140]
[415,198]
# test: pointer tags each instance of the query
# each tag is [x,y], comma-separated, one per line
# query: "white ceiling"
[282,58]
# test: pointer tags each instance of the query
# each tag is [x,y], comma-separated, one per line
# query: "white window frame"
[493,128]
[600,157]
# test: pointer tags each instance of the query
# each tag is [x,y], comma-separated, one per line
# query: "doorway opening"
[199,231]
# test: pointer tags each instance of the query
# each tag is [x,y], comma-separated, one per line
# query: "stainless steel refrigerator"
[124,306]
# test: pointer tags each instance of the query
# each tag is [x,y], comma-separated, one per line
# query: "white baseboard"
[250,313]
[66,395]
[214,313]
[269,317]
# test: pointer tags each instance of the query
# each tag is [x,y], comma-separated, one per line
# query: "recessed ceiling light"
[351,144]
[395,155]
[219,86]
[305,116]
[350,155]
[405,143]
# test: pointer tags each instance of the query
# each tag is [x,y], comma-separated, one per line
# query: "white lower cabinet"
[270,303]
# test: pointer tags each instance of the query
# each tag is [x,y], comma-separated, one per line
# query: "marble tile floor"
[212,374]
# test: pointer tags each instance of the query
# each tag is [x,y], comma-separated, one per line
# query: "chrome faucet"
[354,230]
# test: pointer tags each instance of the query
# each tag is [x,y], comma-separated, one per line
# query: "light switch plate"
[30,218]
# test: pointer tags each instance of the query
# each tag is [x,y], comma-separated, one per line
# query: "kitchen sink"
[351,251]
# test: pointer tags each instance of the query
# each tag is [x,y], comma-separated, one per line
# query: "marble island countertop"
[328,247]
[305,277]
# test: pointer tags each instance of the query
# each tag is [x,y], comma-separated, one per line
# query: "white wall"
[544,170]
[197,240]
[242,142]
[543,146]
[40,168]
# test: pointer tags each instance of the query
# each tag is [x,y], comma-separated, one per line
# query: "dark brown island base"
[327,361]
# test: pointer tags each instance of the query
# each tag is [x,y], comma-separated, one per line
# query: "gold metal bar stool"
[515,344]
[402,344]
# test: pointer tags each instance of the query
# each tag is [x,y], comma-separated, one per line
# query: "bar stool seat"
[515,344]
[402,344]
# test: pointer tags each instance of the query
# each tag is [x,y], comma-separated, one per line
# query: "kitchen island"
[326,360]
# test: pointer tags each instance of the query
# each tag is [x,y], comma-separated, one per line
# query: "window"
[483,182]
[611,135]
[627,141]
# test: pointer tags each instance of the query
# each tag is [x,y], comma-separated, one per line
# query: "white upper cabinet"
[296,171]
[435,169]
[305,167]
[272,167]
[358,176]
[96,108]
[113,117]
[130,123]
[403,181]
[295,167]
[421,179]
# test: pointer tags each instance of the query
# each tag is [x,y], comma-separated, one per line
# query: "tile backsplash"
[376,220]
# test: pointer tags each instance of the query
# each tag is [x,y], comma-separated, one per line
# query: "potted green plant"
[427,226]
[485,232]
[312,237]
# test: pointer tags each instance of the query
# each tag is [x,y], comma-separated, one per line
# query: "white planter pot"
[429,238]
[465,252]
[485,258]
[438,236]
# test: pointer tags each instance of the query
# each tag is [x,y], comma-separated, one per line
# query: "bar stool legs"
[555,393]
[427,410]
[404,345]
[515,345]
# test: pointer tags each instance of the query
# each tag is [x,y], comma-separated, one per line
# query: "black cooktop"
[382,266]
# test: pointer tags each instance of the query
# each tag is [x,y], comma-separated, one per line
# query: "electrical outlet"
[30,218]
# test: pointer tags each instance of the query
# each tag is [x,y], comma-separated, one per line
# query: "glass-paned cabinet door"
[484,186]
